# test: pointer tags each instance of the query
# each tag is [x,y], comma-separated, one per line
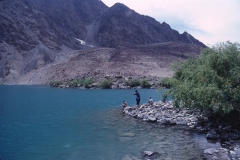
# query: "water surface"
[38,122]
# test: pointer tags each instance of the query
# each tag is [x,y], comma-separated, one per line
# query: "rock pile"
[215,129]
[165,113]
[202,122]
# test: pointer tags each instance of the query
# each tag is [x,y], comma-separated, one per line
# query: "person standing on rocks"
[137,97]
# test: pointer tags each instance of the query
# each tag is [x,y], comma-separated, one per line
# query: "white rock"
[216,154]
[149,153]
[152,118]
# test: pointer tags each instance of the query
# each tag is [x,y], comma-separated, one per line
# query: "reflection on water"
[38,122]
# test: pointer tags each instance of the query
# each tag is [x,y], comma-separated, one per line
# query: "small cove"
[38,122]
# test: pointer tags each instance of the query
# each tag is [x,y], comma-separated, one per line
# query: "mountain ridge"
[119,23]
[38,33]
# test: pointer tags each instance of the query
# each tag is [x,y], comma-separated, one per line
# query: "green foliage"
[105,84]
[133,83]
[210,82]
[86,82]
[74,83]
[145,84]
[165,82]
[55,83]
[136,82]
[80,82]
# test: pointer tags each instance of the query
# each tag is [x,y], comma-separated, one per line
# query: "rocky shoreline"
[110,82]
[202,122]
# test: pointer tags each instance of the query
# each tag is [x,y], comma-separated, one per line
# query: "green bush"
[165,82]
[55,83]
[210,82]
[74,83]
[87,82]
[145,84]
[133,83]
[105,84]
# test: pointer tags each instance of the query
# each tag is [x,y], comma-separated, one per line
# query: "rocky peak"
[166,25]
[120,27]
[117,10]
[119,7]
[191,39]
[77,10]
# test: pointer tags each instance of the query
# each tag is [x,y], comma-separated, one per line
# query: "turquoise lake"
[43,123]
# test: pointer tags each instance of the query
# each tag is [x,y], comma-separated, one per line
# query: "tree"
[209,82]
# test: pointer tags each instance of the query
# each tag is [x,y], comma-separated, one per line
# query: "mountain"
[37,33]
[33,32]
[120,26]
[51,22]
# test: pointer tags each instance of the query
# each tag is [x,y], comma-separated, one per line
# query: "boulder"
[168,121]
[94,85]
[138,87]
[107,76]
[216,154]
[193,119]
[224,136]
[114,86]
[212,135]
[181,121]
[62,86]
[237,150]
[122,86]
[150,155]
[152,119]
[201,129]
[235,136]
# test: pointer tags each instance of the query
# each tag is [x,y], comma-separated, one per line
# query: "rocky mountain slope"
[37,34]
[120,26]
[149,61]
[33,33]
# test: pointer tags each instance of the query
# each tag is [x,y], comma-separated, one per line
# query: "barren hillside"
[149,61]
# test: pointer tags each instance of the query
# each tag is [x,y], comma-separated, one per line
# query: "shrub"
[105,84]
[165,82]
[74,83]
[133,83]
[210,82]
[55,83]
[87,82]
[145,84]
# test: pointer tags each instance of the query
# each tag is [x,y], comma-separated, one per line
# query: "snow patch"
[83,42]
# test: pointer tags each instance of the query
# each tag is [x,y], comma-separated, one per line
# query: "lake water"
[38,123]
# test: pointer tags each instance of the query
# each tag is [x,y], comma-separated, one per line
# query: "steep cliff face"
[71,16]
[35,33]
[24,24]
